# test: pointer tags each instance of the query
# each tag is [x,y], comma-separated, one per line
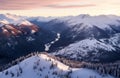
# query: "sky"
[60,7]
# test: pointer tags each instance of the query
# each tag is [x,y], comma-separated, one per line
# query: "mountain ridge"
[42,65]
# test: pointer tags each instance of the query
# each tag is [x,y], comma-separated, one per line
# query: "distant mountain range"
[83,37]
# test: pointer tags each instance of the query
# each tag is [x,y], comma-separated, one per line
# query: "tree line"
[17,61]
[112,69]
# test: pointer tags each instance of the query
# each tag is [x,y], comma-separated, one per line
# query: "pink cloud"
[31,4]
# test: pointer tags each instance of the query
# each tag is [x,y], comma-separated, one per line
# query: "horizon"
[60,8]
[60,16]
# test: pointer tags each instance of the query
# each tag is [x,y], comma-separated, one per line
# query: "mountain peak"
[13,19]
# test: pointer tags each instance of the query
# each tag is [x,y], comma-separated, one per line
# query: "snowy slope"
[40,66]
[114,40]
[13,19]
[83,48]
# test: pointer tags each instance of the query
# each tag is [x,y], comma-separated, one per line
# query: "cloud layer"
[70,6]
[35,4]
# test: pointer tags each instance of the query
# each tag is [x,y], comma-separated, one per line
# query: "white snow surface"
[39,67]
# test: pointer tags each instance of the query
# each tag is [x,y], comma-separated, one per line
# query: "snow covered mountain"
[85,36]
[93,49]
[74,37]
[14,30]
[12,24]
[43,66]
[19,37]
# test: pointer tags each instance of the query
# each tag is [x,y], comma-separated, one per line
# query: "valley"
[81,44]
